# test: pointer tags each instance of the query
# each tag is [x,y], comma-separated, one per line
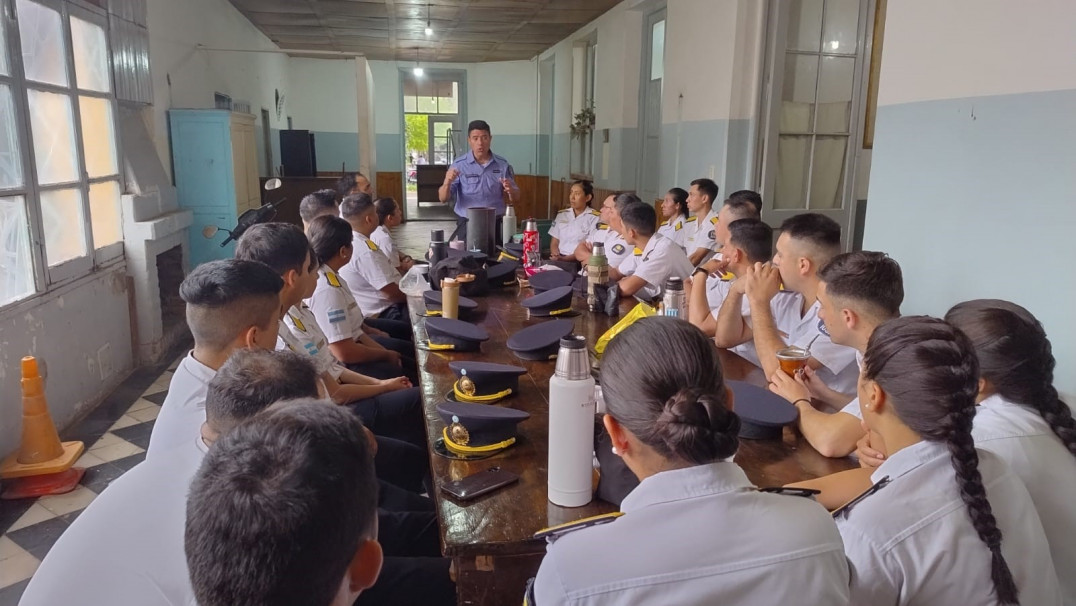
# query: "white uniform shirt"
[1024,440]
[334,307]
[299,332]
[716,292]
[912,541]
[660,260]
[383,238]
[183,411]
[838,370]
[126,548]
[703,232]
[617,248]
[700,535]
[676,230]
[367,273]
[852,407]
[571,229]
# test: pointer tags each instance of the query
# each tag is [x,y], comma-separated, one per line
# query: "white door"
[653,71]
[812,111]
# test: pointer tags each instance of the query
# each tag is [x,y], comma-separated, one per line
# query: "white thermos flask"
[571,425]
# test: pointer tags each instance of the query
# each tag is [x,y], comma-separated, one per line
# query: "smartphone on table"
[478,484]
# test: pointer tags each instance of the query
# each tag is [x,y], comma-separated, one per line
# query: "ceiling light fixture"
[429,30]
[418,71]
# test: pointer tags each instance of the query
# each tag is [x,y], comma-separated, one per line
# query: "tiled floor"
[116,435]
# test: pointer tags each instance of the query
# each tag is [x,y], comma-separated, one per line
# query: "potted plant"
[583,122]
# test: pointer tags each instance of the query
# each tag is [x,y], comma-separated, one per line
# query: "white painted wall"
[186,76]
[971,178]
[323,94]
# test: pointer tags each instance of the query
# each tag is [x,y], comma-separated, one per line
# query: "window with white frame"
[584,67]
[60,180]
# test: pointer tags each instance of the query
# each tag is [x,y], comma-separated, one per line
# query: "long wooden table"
[490,538]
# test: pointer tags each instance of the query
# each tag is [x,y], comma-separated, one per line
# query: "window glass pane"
[4,69]
[440,129]
[410,103]
[657,51]
[797,107]
[43,48]
[10,162]
[835,94]
[841,26]
[61,217]
[792,163]
[804,25]
[91,55]
[16,265]
[98,136]
[427,105]
[54,137]
[827,172]
[105,220]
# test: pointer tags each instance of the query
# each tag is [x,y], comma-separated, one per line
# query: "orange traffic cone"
[42,463]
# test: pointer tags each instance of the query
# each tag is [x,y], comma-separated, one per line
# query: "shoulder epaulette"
[603,226]
[638,251]
[332,279]
[792,492]
[679,226]
[564,210]
[691,219]
[555,532]
[595,213]
[844,510]
[298,323]
[713,221]
[370,244]
[663,224]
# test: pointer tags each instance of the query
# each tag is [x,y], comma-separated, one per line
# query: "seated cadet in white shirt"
[858,291]
[317,204]
[389,407]
[656,258]
[573,224]
[610,233]
[1021,419]
[338,314]
[675,212]
[389,215]
[944,522]
[372,278]
[695,530]
[807,242]
[231,304]
[319,500]
[701,238]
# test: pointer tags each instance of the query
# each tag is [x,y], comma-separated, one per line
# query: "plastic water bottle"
[571,426]
[674,303]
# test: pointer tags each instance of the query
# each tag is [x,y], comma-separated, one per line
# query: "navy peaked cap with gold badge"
[484,382]
[474,254]
[763,414]
[502,274]
[433,303]
[477,430]
[454,335]
[547,280]
[540,341]
[553,302]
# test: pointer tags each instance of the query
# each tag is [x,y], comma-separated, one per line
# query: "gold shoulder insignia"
[332,279]
[298,323]
[603,226]
[554,532]
[679,226]
[663,224]
[595,213]
[370,244]
[713,221]
[638,251]
[691,219]
[564,210]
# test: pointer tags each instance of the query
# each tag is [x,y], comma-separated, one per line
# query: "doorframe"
[267,135]
[769,108]
[405,72]
[644,81]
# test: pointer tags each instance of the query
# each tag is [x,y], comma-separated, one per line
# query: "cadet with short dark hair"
[353,183]
[479,178]
[655,258]
[703,223]
[372,278]
[321,202]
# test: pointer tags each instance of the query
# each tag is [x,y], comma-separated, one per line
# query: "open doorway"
[432,123]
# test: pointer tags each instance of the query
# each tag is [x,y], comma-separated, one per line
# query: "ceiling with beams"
[464,31]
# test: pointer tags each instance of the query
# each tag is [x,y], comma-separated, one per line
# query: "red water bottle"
[532,255]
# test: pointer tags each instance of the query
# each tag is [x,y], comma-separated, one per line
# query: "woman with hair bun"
[943,523]
[695,530]
[1021,418]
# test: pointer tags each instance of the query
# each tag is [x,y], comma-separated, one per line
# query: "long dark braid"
[1016,358]
[929,369]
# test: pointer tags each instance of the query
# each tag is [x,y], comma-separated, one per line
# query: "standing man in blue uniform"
[479,178]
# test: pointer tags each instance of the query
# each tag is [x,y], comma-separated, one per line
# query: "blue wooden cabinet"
[215,166]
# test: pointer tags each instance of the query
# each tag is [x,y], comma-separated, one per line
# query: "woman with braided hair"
[1021,419]
[694,531]
[931,529]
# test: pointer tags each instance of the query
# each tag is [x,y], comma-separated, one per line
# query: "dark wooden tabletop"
[503,522]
